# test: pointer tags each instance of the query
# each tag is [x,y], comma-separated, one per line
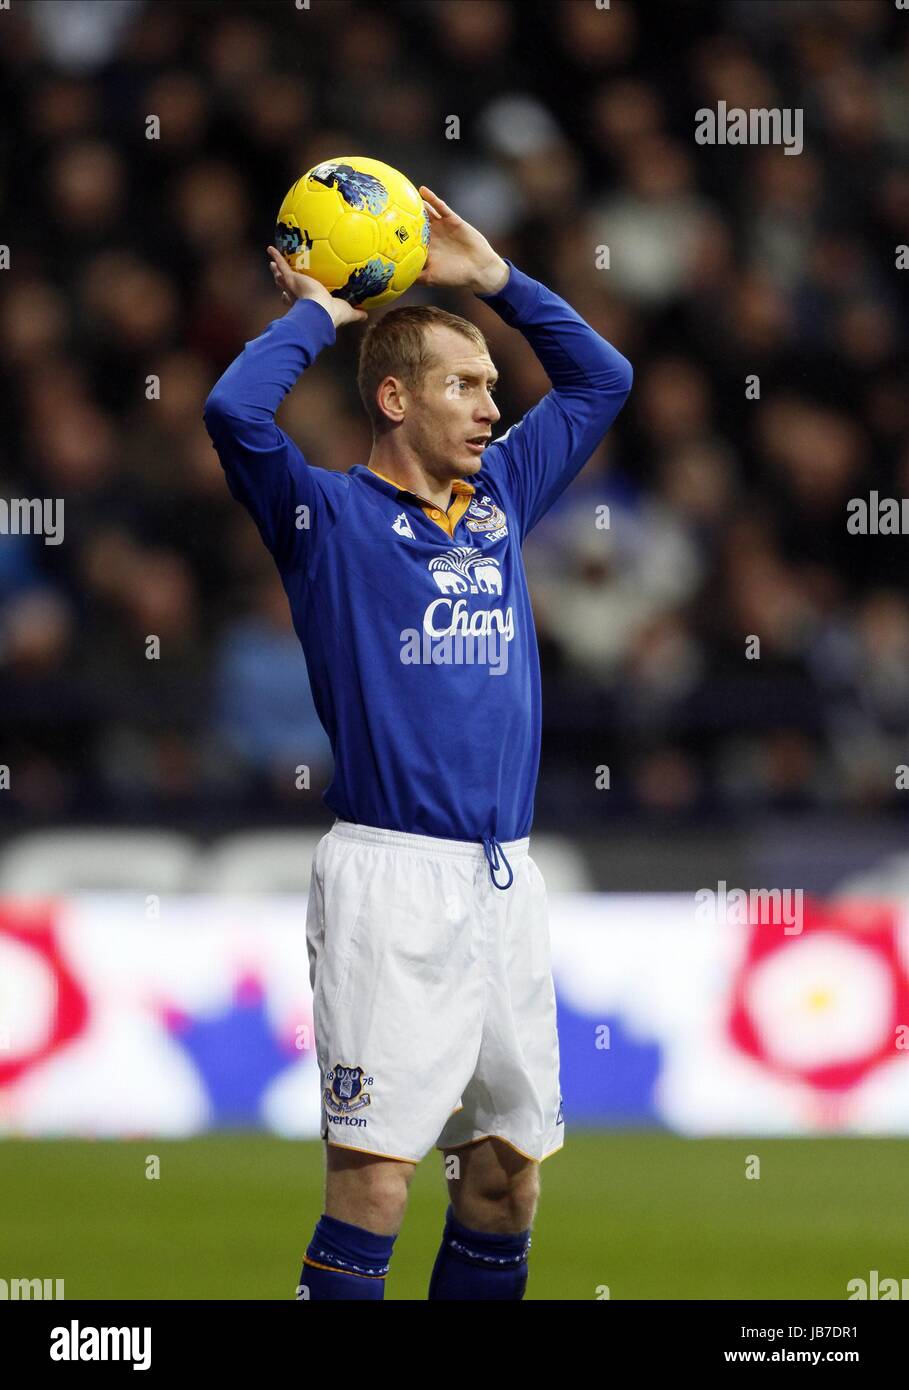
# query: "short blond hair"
[395,345]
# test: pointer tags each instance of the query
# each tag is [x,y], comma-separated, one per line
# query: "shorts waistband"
[425,844]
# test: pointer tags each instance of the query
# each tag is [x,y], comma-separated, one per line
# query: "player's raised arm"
[591,380]
[539,456]
[289,501]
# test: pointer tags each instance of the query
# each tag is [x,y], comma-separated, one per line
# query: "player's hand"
[294,286]
[459,255]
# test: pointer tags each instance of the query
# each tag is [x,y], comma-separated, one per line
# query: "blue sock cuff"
[351,1248]
[492,1250]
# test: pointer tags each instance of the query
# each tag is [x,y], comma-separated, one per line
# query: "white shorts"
[433,1003]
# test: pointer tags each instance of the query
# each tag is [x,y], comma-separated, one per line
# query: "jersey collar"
[448,519]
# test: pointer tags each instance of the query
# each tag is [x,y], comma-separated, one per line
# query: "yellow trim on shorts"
[502,1140]
[396,1158]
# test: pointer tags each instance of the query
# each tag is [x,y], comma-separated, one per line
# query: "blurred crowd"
[137,261]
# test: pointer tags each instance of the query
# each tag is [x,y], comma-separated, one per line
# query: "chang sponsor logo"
[446,617]
[453,633]
[466,570]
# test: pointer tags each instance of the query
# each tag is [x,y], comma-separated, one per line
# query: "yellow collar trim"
[447,520]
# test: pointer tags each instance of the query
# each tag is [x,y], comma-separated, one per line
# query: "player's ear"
[391,399]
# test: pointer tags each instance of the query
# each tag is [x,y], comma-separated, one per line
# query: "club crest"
[345,1094]
[485,516]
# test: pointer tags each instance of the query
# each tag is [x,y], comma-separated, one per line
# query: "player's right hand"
[294,286]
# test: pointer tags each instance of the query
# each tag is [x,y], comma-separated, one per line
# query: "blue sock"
[344,1261]
[478,1265]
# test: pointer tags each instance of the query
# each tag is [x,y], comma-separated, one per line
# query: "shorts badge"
[346,1094]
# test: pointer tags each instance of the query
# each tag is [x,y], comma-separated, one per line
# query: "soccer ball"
[358,227]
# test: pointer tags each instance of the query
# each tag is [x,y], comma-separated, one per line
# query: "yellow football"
[357,226]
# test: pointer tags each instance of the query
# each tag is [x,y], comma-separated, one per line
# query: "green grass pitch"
[650,1215]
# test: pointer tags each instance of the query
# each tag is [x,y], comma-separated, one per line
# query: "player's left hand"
[459,255]
[294,285]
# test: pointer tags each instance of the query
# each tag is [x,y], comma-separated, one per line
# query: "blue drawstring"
[492,849]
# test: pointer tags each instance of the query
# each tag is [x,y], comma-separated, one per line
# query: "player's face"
[455,406]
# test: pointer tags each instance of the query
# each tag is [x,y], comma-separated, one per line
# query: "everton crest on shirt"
[484,516]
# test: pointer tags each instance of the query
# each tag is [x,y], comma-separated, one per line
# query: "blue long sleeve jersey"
[416,624]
